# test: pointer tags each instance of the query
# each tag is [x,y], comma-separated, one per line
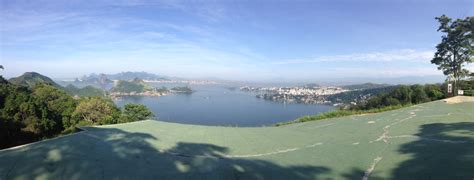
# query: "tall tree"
[456,48]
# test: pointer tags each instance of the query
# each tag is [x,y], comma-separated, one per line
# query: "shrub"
[434,92]
[419,95]
[96,110]
[469,93]
[403,94]
[135,112]
[390,101]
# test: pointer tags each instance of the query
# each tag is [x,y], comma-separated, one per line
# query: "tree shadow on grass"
[445,151]
[109,153]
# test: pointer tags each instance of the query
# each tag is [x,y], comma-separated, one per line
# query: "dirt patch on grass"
[459,99]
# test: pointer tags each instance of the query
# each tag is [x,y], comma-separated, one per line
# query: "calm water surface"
[217,105]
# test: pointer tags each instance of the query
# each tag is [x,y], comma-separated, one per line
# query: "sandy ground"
[459,99]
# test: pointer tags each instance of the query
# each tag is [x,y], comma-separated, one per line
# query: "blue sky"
[234,40]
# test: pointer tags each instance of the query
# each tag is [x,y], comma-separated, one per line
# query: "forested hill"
[136,85]
[88,91]
[361,93]
[365,86]
[31,79]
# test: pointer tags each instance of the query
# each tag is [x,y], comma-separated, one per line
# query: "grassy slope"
[433,140]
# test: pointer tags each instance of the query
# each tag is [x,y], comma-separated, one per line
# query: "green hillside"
[427,141]
[136,85]
[88,91]
[365,86]
[31,79]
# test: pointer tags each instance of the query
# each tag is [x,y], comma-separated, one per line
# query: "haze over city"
[320,40]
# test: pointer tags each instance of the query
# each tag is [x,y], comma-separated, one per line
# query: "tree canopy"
[29,114]
[96,110]
[403,95]
[135,112]
[456,48]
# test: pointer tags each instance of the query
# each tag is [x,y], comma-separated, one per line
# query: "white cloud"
[396,72]
[98,44]
[69,44]
[386,56]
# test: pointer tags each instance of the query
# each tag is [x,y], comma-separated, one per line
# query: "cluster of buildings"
[296,90]
[305,95]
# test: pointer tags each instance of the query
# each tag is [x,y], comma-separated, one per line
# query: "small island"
[182,90]
[138,87]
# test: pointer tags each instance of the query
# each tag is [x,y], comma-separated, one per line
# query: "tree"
[403,94]
[374,102]
[96,110]
[433,91]
[456,48]
[419,95]
[3,80]
[135,112]
[56,104]
[15,108]
[390,101]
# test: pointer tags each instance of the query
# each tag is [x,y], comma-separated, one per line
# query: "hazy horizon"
[431,79]
[323,41]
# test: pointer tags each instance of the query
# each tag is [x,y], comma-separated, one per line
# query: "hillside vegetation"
[361,93]
[88,91]
[184,89]
[31,110]
[136,85]
[31,79]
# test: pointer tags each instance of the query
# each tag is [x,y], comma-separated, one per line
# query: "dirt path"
[459,99]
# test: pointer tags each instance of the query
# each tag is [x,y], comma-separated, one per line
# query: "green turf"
[427,141]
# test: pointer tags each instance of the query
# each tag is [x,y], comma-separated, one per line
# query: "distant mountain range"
[365,86]
[124,76]
[31,79]
[128,76]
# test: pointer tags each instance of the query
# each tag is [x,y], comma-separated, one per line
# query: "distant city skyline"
[229,40]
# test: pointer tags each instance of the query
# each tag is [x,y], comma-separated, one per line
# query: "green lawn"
[427,141]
